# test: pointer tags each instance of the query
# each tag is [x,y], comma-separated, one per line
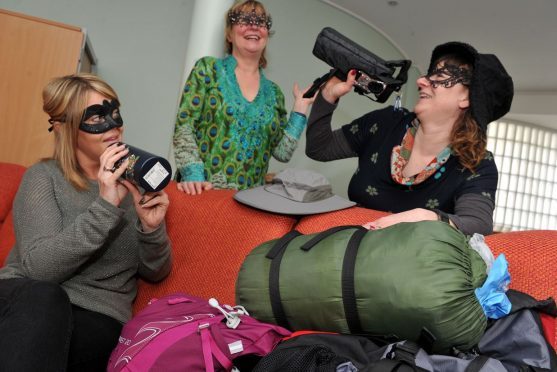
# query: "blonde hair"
[64,100]
[243,6]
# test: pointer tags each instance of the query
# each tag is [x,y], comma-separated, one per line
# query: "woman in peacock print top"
[231,118]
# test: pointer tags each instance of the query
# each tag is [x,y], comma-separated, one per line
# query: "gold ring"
[111,170]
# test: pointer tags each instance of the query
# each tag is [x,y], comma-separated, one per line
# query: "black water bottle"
[147,171]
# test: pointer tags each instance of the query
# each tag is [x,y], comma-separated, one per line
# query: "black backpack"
[513,343]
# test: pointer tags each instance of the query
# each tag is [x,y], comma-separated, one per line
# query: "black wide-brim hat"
[491,89]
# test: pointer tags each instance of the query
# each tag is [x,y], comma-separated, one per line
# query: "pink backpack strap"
[206,344]
[151,352]
[210,348]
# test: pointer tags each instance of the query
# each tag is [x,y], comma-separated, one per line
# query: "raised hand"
[336,88]
[302,104]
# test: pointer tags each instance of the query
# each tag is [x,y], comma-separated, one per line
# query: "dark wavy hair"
[468,139]
[468,142]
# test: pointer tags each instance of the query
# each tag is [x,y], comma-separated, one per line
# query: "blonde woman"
[83,235]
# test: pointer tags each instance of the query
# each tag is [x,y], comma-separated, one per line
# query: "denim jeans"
[41,331]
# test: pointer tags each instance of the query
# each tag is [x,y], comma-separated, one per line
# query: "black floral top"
[373,137]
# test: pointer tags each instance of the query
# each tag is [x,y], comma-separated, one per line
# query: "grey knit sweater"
[93,249]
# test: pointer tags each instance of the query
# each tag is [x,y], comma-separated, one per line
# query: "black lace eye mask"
[448,75]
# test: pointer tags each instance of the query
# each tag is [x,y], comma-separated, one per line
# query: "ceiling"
[523,34]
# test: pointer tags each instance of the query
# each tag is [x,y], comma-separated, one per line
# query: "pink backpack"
[186,333]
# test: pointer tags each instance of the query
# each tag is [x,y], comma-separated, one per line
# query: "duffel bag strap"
[426,340]
[275,255]
[349,297]
[401,358]
[521,300]
[347,283]
[280,245]
[391,365]
[322,235]
[477,364]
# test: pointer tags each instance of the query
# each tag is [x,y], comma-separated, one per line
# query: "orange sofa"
[212,233]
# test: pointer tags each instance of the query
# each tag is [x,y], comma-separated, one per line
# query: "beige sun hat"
[294,191]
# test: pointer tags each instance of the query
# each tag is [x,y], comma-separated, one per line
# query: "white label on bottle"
[156,175]
[236,347]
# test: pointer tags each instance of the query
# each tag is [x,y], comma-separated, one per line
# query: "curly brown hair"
[468,142]
[468,139]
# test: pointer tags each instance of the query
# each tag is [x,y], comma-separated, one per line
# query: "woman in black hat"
[430,164]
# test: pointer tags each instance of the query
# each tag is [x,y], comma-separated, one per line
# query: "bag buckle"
[232,318]
[405,352]
[202,326]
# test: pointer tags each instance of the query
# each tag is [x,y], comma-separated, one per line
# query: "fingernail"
[352,72]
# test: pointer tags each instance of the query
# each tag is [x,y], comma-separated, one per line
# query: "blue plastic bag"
[492,294]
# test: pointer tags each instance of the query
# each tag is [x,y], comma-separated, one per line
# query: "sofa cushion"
[351,216]
[7,238]
[11,177]
[211,234]
[532,262]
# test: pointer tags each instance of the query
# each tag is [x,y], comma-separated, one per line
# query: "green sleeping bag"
[412,281]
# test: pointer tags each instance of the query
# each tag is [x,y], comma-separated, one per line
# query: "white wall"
[141,46]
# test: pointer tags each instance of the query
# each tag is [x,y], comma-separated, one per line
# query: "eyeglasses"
[368,85]
[250,19]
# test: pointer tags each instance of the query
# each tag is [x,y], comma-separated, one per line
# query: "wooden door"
[32,51]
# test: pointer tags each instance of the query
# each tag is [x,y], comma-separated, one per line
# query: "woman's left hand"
[110,189]
[302,104]
[150,207]
[413,215]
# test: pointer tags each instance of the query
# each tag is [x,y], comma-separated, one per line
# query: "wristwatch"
[441,216]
